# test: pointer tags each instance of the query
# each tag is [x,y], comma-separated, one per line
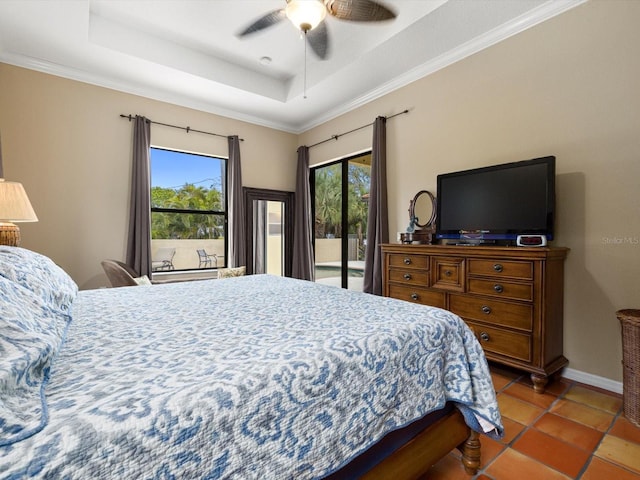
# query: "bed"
[255,377]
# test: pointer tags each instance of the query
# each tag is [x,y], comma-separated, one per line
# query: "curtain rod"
[335,137]
[186,129]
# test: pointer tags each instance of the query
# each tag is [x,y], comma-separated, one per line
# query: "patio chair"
[163,259]
[209,260]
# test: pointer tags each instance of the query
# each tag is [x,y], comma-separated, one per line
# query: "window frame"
[186,211]
[344,164]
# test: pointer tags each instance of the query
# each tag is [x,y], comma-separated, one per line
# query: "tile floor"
[572,431]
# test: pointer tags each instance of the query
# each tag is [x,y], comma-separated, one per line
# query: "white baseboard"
[593,380]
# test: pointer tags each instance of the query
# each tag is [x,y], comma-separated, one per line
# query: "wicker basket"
[630,322]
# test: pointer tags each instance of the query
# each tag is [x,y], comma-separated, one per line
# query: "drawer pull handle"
[447,273]
[497,267]
[486,309]
[407,261]
[484,336]
[414,296]
[407,276]
[498,288]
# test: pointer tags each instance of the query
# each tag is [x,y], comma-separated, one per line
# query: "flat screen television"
[496,204]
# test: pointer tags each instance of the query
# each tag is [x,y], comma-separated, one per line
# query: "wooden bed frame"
[417,456]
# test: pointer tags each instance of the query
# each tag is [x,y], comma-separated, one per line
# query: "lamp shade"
[305,14]
[14,203]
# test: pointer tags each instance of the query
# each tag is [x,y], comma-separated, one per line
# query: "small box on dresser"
[511,297]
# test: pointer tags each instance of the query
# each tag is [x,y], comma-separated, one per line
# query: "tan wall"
[64,140]
[568,87]
[328,250]
[274,242]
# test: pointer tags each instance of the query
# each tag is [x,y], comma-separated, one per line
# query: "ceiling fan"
[308,16]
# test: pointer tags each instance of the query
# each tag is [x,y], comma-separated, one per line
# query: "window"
[188,211]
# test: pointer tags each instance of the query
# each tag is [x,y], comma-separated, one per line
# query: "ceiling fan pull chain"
[304,88]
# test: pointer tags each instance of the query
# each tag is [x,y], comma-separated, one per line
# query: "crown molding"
[62,71]
[532,18]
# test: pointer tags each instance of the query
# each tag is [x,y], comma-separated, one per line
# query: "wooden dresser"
[511,297]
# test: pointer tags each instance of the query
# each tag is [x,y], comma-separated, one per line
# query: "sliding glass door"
[340,194]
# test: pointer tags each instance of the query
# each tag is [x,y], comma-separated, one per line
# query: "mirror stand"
[421,208]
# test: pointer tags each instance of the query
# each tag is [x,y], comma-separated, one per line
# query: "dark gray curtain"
[303,262]
[378,217]
[237,237]
[139,240]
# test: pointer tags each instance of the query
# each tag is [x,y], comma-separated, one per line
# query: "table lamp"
[14,207]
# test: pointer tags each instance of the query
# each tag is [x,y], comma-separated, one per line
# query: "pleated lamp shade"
[14,207]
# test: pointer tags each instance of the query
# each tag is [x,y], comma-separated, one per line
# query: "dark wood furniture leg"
[415,458]
[539,382]
[471,453]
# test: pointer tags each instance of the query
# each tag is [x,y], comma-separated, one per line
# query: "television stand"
[512,298]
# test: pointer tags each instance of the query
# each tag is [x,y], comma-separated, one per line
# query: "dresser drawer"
[447,273]
[501,342]
[409,277]
[417,295]
[515,315]
[411,260]
[500,268]
[502,289]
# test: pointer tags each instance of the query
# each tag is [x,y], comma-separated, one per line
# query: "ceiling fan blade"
[268,20]
[359,10]
[318,39]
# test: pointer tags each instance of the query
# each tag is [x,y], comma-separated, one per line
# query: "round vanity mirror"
[422,210]
[422,216]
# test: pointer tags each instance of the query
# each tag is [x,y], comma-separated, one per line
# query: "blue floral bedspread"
[254,377]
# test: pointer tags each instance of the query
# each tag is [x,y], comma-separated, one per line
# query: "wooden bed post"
[471,453]
[416,457]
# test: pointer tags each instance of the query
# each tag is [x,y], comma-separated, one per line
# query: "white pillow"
[143,280]
[231,272]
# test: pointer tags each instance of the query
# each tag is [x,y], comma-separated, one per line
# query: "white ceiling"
[187,52]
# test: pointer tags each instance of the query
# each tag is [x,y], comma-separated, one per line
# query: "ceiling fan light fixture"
[305,14]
